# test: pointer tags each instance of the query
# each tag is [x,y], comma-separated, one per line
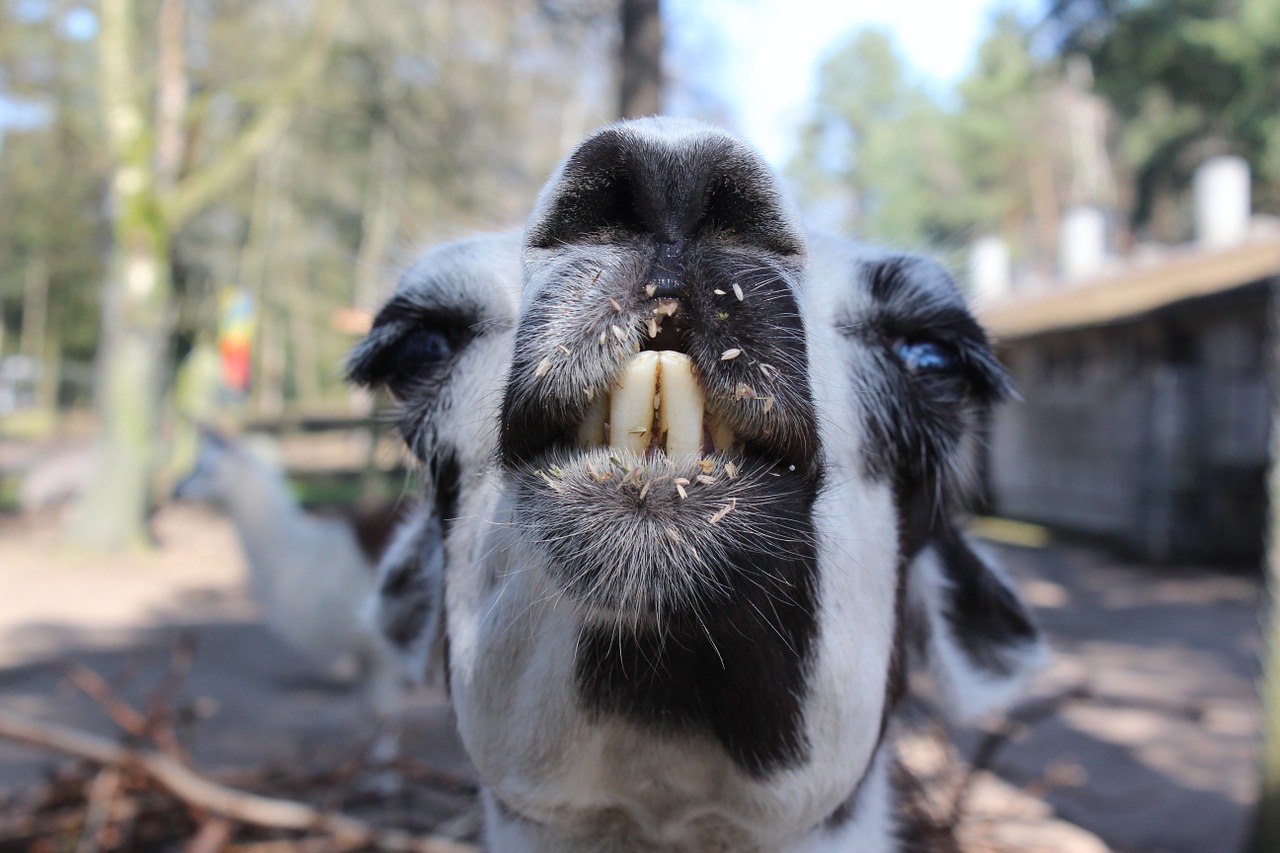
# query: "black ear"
[968,628]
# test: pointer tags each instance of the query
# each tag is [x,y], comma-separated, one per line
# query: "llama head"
[223,464]
[721,458]
[213,476]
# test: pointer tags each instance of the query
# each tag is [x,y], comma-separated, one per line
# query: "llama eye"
[925,356]
[418,356]
[426,346]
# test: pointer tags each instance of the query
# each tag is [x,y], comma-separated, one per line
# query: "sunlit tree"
[157,184]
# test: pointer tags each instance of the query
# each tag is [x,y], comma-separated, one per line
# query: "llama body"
[308,574]
[694,474]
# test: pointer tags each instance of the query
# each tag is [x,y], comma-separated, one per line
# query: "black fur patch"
[406,593]
[404,611]
[375,526]
[895,686]
[985,616]
[447,661]
[737,668]
[446,481]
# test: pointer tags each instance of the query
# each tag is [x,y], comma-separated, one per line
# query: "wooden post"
[1265,837]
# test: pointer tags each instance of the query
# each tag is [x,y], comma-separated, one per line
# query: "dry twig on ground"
[214,797]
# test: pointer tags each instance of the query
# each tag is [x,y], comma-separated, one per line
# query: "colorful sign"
[236,325]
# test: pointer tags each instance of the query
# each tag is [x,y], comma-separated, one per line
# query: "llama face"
[694,472]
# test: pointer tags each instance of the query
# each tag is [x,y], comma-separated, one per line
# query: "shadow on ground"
[1160,754]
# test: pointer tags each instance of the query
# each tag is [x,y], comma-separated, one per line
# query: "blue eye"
[925,356]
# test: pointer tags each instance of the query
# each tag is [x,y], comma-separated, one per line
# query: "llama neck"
[867,822]
[265,514]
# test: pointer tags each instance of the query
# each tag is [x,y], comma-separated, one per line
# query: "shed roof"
[1138,289]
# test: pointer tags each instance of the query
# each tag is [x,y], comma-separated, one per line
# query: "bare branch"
[101,794]
[197,790]
[1024,716]
[203,185]
[96,688]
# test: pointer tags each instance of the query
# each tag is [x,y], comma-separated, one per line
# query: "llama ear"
[406,612]
[967,627]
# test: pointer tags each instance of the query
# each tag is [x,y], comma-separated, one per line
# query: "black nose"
[627,182]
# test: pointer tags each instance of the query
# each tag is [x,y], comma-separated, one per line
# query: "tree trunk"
[302,324]
[300,302]
[35,308]
[377,220]
[641,83]
[1265,837]
[112,513]
[50,363]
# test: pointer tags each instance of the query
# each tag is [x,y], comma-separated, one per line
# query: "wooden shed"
[1146,409]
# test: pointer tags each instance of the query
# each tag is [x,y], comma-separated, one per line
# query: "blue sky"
[766,52]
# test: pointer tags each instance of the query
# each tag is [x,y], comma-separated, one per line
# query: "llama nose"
[627,182]
[666,278]
[616,183]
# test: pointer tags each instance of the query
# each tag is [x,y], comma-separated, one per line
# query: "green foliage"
[890,161]
[407,140]
[51,179]
[870,152]
[998,130]
[1190,78]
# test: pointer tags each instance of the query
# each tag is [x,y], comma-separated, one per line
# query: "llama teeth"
[631,406]
[722,437]
[657,392]
[680,415]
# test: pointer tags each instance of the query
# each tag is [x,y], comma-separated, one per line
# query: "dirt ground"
[1156,753]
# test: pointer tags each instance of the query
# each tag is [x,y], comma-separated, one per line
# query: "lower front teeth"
[680,408]
[661,381]
[631,408]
